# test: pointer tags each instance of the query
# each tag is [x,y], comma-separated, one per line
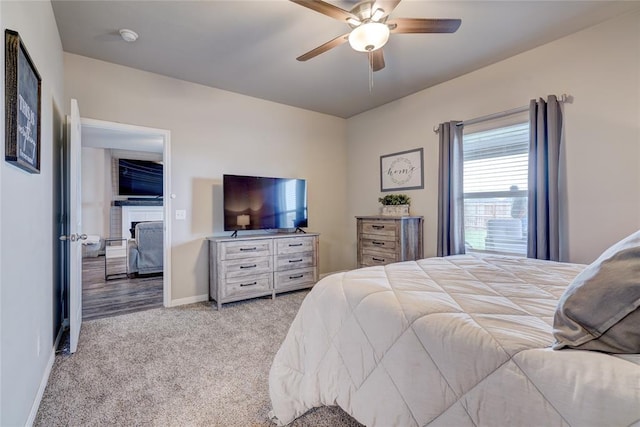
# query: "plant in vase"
[395,204]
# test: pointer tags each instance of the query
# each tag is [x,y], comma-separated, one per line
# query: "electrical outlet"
[38,345]
[181,214]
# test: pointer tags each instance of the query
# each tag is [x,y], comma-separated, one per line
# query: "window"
[295,202]
[495,173]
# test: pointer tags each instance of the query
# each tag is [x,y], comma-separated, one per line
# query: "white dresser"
[258,265]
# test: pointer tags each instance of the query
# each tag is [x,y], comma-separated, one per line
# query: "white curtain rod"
[562,98]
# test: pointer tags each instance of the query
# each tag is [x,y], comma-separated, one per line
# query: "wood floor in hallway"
[118,295]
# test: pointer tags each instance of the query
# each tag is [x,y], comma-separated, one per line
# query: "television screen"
[258,203]
[139,178]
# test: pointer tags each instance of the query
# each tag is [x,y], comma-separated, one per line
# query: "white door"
[75,236]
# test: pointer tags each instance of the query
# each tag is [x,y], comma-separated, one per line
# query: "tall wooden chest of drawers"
[384,239]
[258,265]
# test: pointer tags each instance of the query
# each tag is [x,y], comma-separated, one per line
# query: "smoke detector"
[128,35]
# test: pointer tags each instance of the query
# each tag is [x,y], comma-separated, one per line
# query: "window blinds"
[495,173]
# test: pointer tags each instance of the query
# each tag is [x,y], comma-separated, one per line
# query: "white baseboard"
[44,381]
[189,300]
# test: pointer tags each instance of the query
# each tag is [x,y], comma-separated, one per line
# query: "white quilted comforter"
[457,341]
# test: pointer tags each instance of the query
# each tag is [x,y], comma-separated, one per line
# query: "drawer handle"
[248,266]
[292,245]
[378,259]
[378,227]
[378,243]
[296,260]
[248,284]
[248,249]
[299,276]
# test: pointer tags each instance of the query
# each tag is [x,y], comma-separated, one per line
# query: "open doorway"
[125,189]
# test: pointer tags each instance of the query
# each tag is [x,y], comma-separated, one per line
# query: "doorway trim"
[168,196]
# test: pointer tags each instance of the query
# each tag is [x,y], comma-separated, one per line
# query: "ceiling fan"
[370,27]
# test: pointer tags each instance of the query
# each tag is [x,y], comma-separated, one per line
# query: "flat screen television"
[139,178]
[259,203]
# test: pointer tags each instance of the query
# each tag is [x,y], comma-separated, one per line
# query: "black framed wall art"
[22,105]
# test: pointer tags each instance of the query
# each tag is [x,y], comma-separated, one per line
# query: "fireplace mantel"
[137,213]
[138,202]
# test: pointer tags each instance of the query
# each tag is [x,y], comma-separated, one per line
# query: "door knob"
[73,237]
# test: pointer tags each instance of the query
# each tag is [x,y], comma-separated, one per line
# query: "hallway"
[105,298]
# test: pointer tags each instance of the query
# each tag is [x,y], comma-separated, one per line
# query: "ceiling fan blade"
[327,9]
[324,47]
[386,5]
[423,25]
[377,60]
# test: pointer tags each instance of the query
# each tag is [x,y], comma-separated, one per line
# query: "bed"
[456,341]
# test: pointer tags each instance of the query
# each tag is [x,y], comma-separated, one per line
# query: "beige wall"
[215,132]
[599,67]
[28,233]
[96,191]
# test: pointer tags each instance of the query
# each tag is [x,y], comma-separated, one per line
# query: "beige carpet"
[185,366]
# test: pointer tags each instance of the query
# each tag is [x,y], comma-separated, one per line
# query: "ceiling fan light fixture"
[354,22]
[369,36]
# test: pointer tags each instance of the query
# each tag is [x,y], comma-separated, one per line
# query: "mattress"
[455,341]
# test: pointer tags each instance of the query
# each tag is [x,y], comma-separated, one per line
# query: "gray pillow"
[600,309]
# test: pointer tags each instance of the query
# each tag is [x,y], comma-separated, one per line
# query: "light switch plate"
[181,214]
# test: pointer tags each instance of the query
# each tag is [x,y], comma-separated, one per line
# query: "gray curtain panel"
[545,128]
[450,192]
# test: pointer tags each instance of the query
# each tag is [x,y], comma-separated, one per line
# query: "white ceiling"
[99,134]
[249,47]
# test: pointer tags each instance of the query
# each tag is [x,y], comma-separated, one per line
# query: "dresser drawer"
[378,244]
[247,266]
[257,284]
[382,228]
[376,259]
[387,254]
[294,245]
[295,278]
[246,249]
[294,261]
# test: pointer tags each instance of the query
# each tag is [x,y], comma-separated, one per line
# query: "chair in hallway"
[146,254]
